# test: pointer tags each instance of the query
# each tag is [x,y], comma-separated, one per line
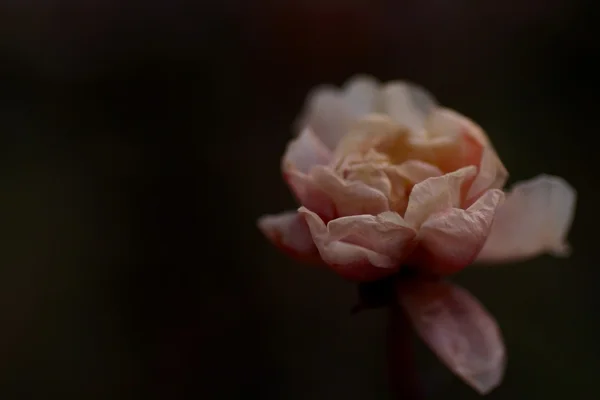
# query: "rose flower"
[389,180]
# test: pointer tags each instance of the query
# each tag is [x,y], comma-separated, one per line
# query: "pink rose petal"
[450,240]
[361,247]
[289,232]
[458,330]
[534,219]
[349,197]
[437,194]
[304,152]
[408,104]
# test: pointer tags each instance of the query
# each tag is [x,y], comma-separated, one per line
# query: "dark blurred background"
[140,140]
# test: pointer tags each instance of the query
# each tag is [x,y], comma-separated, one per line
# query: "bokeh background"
[140,140]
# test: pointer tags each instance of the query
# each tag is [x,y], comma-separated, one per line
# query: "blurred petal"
[534,219]
[327,114]
[451,240]
[362,95]
[331,111]
[458,330]
[436,195]
[408,104]
[349,197]
[362,247]
[304,152]
[289,232]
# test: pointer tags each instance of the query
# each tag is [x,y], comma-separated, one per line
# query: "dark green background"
[140,140]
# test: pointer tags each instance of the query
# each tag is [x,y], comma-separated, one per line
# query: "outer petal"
[436,195]
[489,175]
[309,194]
[408,104]
[534,219]
[445,122]
[362,247]
[459,331]
[349,197]
[304,152]
[289,232]
[362,95]
[450,240]
[331,111]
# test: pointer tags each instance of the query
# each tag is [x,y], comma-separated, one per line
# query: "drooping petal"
[289,232]
[408,104]
[458,329]
[349,197]
[361,247]
[436,195]
[450,240]
[304,152]
[534,219]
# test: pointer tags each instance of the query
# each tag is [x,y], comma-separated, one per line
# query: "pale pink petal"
[362,95]
[534,219]
[330,111]
[459,330]
[408,104]
[437,194]
[403,177]
[386,233]
[349,197]
[414,171]
[450,240]
[489,176]
[309,194]
[448,123]
[289,232]
[362,247]
[304,152]
[327,114]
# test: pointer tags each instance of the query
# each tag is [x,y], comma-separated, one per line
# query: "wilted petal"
[386,233]
[459,331]
[408,104]
[444,122]
[362,247]
[489,175]
[349,197]
[309,194]
[289,232]
[304,152]
[534,219]
[450,240]
[413,171]
[436,194]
